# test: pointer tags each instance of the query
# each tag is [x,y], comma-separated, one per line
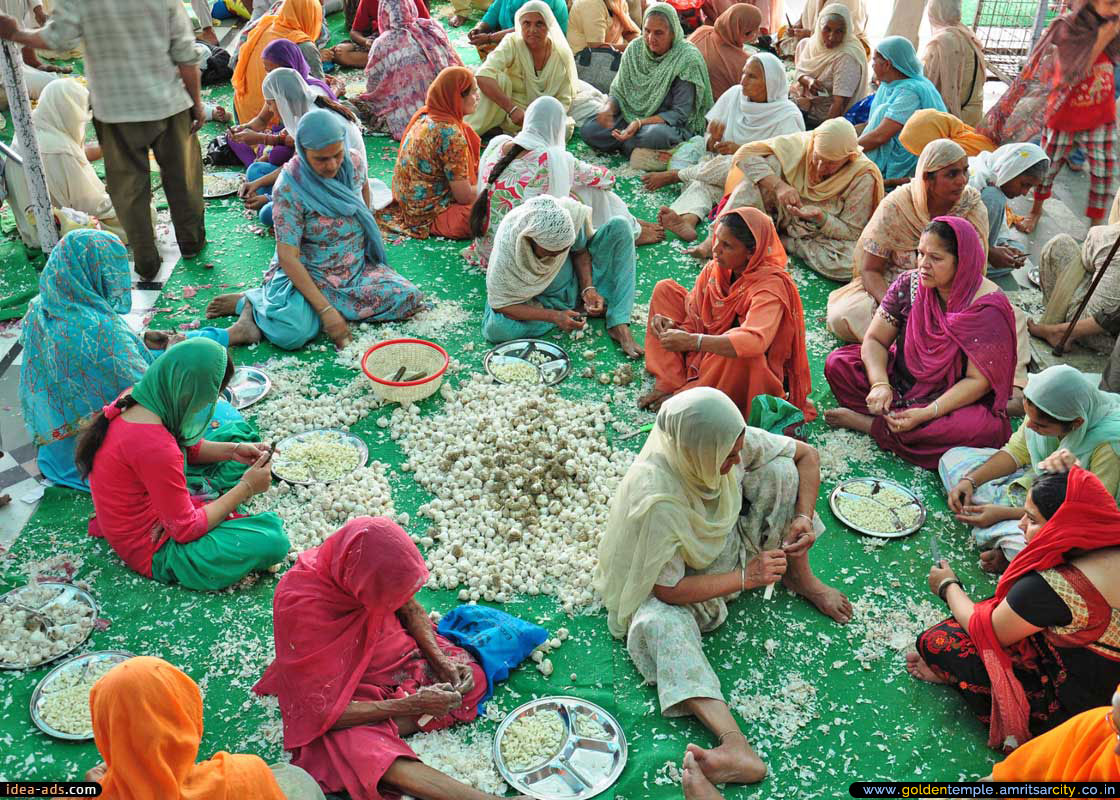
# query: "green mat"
[824,704]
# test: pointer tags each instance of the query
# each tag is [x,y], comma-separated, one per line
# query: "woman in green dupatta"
[661,92]
[134,453]
[987,488]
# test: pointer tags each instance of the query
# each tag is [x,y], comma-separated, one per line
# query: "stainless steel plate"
[343,437]
[40,597]
[247,386]
[1035,276]
[221,184]
[550,359]
[65,674]
[865,489]
[588,762]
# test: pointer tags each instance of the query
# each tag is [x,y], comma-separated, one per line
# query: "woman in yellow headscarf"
[298,21]
[147,725]
[929,124]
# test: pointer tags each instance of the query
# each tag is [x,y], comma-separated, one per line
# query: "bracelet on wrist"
[881,383]
[585,290]
[971,480]
[324,309]
[943,588]
[699,341]
[806,516]
[936,409]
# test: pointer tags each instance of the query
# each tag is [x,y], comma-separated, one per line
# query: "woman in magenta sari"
[359,665]
[934,370]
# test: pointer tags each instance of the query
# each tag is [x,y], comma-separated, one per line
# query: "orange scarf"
[1080,749]
[722,45]
[444,102]
[721,305]
[147,725]
[298,21]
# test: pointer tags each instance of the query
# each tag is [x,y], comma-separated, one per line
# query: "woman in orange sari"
[298,21]
[742,327]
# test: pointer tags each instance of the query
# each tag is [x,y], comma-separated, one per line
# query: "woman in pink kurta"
[359,665]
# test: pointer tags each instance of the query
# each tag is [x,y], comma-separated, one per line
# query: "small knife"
[935,550]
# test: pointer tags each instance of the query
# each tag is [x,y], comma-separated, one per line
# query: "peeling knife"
[935,550]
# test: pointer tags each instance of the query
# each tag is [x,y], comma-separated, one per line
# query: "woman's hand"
[458,674]
[1059,461]
[259,476]
[335,326]
[517,116]
[593,302]
[661,323]
[629,132]
[248,452]
[247,189]
[477,36]
[879,400]
[981,516]
[433,701]
[1006,257]
[799,537]
[568,320]
[727,148]
[787,196]
[247,136]
[960,496]
[938,573]
[909,419]
[677,341]
[766,568]
[813,214]
[96,773]
[256,202]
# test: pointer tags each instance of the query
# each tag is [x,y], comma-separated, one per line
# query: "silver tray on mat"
[550,359]
[907,517]
[54,591]
[221,184]
[75,668]
[344,437]
[247,386]
[588,762]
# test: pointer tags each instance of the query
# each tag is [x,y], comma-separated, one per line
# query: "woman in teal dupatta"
[903,90]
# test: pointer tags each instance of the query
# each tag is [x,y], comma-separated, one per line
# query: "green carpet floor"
[824,704]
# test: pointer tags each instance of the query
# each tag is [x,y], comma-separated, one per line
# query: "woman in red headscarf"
[437,166]
[742,327]
[937,362]
[1047,645]
[359,665]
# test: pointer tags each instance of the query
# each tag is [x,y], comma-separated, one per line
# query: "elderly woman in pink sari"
[936,365]
[403,61]
[359,666]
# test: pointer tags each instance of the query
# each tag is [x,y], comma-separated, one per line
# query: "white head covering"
[813,58]
[746,121]
[60,118]
[294,98]
[672,499]
[1004,164]
[545,129]
[516,274]
[560,46]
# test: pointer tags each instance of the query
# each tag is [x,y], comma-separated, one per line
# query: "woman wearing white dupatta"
[756,109]
[550,268]
[1011,171]
[60,120]
[832,68]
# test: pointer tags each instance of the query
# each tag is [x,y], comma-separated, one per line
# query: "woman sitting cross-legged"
[133,455]
[549,267]
[757,108]
[742,327]
[329,265]
[535,61]
[820,186]
[832,70]
[936,366]
[677,550]
[359,666]
[437,165]
[1043,648]
[1064,410]
[147,726]
[536,162]
[500,22]
[903,90]
[661,92]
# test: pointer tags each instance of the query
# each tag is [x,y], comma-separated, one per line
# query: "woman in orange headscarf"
[742,327]
[147,725]
[929,124]
[298,21]
[721,45]
[434,180]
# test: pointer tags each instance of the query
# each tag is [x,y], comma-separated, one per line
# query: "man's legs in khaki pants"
[127,176]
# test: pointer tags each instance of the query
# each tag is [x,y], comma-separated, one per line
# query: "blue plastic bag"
[498,641]
[858,114]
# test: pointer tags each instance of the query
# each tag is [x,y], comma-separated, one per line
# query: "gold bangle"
[881,383]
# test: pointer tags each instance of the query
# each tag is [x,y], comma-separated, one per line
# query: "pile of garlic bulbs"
[295,405]
[312,513]
[23,643]
[523,480]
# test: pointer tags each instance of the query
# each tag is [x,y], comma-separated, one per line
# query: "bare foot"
[622,335]
[695,785]
[207,35]
[245,330]
[220,114]
[457,20]
[732,762]
[829,601]
[1052,333]
[653,400]
[846,418]
[994,561]
[650,233]
[919,669]
[658,180]
[702,251]
[674,222]
[224,305]
[1028,223]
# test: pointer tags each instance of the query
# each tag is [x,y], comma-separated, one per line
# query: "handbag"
[598,66]
[220,154]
